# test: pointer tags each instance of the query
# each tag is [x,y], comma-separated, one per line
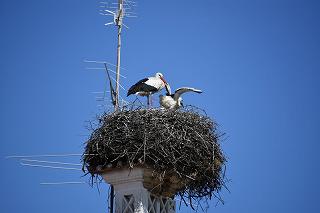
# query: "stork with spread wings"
[174,101]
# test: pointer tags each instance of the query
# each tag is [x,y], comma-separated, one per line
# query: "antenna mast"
[118,14]
[118,23]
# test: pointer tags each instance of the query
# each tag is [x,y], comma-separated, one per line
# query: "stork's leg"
[149,100]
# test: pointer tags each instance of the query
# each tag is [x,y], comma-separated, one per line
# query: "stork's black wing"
[140,86]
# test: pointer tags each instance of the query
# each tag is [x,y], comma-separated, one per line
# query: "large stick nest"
[181,147]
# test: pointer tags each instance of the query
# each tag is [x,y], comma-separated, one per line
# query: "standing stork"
[174,101]
[148,86]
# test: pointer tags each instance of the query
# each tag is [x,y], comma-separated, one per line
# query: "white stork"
[148,86]
[174,101]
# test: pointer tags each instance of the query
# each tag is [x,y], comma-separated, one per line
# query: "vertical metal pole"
[111,199]
[119,23]
[116,106]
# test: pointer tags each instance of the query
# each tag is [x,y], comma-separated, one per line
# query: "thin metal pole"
[116,106]
[111,199]
[119,24]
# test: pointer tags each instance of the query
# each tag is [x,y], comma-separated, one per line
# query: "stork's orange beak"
[164,81]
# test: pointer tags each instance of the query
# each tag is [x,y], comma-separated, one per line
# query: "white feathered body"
[168,102]
[148,86]
[174,101]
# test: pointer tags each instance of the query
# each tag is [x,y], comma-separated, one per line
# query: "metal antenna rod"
[119,24]
[116,106]
[111,198]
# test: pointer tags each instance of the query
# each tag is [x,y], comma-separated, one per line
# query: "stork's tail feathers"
[130,91]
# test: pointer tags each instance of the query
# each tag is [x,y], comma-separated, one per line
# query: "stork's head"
[159,75]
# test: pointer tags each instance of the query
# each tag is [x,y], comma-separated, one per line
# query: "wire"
[52,162]
[50,167]
[46,155]
[62,183]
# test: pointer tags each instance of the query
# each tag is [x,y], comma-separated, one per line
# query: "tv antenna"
[118,10]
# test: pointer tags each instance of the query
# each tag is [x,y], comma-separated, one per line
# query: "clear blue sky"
[258,63]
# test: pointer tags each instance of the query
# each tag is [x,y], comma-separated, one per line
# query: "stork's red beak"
[164,81]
